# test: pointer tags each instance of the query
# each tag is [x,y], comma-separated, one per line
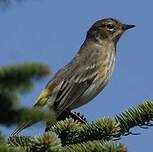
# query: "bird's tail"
[21,127]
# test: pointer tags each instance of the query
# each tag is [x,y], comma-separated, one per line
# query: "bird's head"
[108,28]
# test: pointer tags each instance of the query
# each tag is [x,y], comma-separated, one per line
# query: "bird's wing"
[73,86]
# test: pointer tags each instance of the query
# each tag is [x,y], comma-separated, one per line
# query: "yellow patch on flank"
[41,100]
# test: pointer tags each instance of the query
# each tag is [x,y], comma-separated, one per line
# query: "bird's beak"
[126,26]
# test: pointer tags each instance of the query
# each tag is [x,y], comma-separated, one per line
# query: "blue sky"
[51,31]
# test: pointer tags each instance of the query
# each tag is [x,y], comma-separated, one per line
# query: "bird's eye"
[110,27]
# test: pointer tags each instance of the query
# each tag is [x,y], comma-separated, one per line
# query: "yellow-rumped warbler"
[87,73]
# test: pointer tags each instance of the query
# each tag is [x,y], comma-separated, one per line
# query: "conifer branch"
[46,142]
[93,146]
[71,131]
[19,77]
[4,147]
[51,143]
[25,114]
[14,79]
[140,116]
[76,135]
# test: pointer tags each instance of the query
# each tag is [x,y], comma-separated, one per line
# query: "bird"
[86,75]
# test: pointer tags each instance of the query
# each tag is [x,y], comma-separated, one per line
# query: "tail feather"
[21,127]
